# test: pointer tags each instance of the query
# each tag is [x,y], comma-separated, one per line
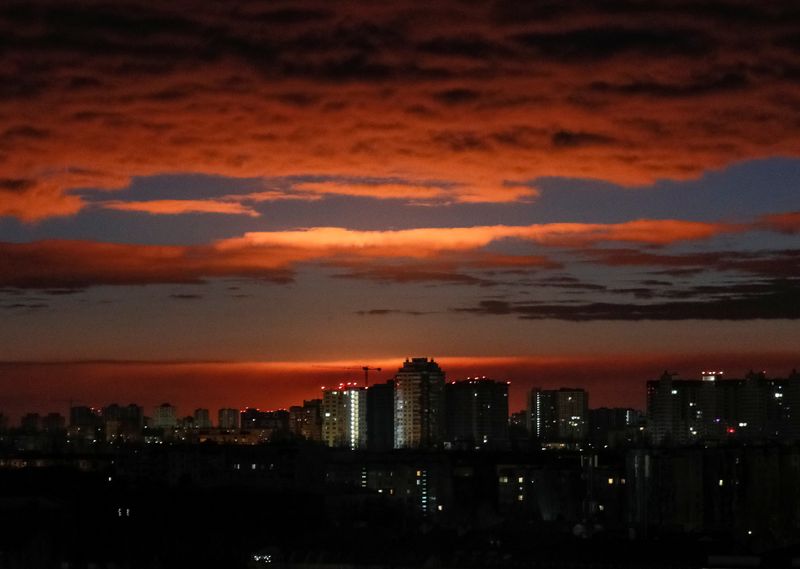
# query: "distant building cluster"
[684,411]
[419,409]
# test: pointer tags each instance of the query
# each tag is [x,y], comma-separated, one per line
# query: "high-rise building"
[542,421]
[165,416]
[31,422]
[83,418]
[380,416]
[558,415]
[419,404]
[123,422]
[344,416]
[572,412]
[228,419]
[686,411]
[273,421]
[614,425]
[306,420]
[53,422]
[477,412]
[202,419]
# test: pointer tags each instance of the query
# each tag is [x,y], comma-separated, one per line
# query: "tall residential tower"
[419,404]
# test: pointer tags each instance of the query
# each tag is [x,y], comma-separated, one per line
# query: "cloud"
[788,223]
[472,95]
[775,301]
[79,264]
[597,43]
[378,190]
[175,207]
[423,241]
[391,311]
[409,255]
[769,263]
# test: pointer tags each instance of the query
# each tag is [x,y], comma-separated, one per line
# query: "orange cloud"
[421,191]
[174,207]
[474,96]
[788,223]
[428,253]
[422,242]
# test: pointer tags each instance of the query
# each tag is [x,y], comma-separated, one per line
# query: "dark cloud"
[768,263]
[461,141]
[472,47]
[597,43]
[23,132]
[401,274]
[776,300]
[696,86]
[24,306]
[291,16]
[15,185]
[457,96]
[390,311]
[570,139]
[136,88]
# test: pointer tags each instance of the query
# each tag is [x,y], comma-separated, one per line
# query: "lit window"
[610,481]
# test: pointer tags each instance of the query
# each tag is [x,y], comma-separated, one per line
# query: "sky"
[230,204]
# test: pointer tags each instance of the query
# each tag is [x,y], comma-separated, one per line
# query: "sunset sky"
[231,203]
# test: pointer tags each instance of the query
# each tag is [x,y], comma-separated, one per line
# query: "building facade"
[344,416]
[228,419]
[165,416]
[305,421]
[558,415]
[419,404]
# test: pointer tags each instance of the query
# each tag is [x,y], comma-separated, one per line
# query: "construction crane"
[366,370]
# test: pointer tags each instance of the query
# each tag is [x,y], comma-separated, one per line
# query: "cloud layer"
[462,101]
[408,255]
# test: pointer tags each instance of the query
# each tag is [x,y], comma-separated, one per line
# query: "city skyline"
[204,201]
[518,396]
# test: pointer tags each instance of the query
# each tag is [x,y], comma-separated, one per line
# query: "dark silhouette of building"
[305,421]
[477,413]
[31,422]
[687,411]
[380,416]
[84,418]
[228,419]
[268,425]
[123,422]
[614,426]
[53,423]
